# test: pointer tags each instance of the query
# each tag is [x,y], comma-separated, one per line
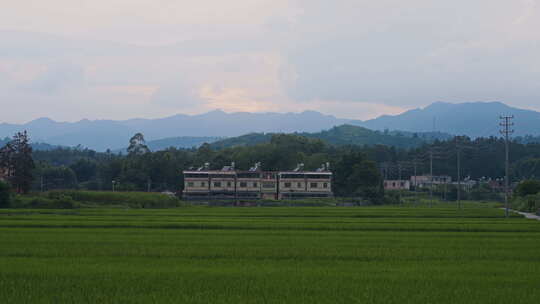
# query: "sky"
[119,59]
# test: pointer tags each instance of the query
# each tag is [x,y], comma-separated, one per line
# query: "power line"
[506,125]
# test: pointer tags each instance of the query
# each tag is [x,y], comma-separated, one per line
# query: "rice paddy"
[269,255]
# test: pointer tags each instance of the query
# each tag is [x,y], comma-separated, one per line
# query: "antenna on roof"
[256,167]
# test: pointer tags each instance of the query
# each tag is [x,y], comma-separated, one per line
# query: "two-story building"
[248,183]
[231,184]
[299,184]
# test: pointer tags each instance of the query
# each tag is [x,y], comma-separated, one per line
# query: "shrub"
[128,199]
[529,203]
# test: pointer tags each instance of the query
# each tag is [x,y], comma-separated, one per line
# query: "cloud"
[351,58]
[56,78]
[414,53]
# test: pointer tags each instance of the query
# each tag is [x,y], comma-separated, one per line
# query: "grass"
[390,254]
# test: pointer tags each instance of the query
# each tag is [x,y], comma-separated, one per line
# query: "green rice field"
[399,254]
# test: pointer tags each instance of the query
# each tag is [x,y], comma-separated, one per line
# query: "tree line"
[358,170]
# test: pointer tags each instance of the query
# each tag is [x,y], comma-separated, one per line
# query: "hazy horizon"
[354,59]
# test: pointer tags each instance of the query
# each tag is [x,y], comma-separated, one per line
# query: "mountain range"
[473,119]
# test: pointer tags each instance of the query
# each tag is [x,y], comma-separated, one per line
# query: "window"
[268,185]
[287,185]
[255,185]
[243,184]
[203,184]
[190,184]
[229,184]
[292,175]
[217,184]
[313,185]
[325,185]
[249,175]
[298,185]
[196,175]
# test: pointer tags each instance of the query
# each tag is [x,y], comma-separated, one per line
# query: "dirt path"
[528,215]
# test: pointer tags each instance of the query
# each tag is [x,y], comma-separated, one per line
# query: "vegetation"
[69,199]
[17,162]
[272,255]
[527,196]
[5,194]
[137,145]
[162,170]
[358,170]
[344,135]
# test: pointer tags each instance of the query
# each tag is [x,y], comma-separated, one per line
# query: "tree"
[59,178]
[137,145]
[356,176]
[528,187]
[16,159]
[85,169]
[5,194]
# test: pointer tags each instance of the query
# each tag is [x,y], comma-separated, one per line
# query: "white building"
[428,180]
[397,185]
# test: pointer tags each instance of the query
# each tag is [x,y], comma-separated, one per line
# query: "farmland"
[399,254]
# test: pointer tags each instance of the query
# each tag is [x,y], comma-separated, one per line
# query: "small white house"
[397,185]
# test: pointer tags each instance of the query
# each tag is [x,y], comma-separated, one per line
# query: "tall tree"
[137,145]
[16,159]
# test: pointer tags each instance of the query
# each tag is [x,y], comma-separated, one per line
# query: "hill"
[183,142]
[342,135]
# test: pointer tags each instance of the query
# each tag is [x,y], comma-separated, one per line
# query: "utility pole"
[506,125]
[458,173]
[400,182]
[431,177]
[415,182]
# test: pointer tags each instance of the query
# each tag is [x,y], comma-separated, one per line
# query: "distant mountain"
[108,134]
[35,146]
[472,119]
[342,135]
[475,119]
[220,124]
[99,135]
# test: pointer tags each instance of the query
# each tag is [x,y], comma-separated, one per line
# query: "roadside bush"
[5,195]
[529,203]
